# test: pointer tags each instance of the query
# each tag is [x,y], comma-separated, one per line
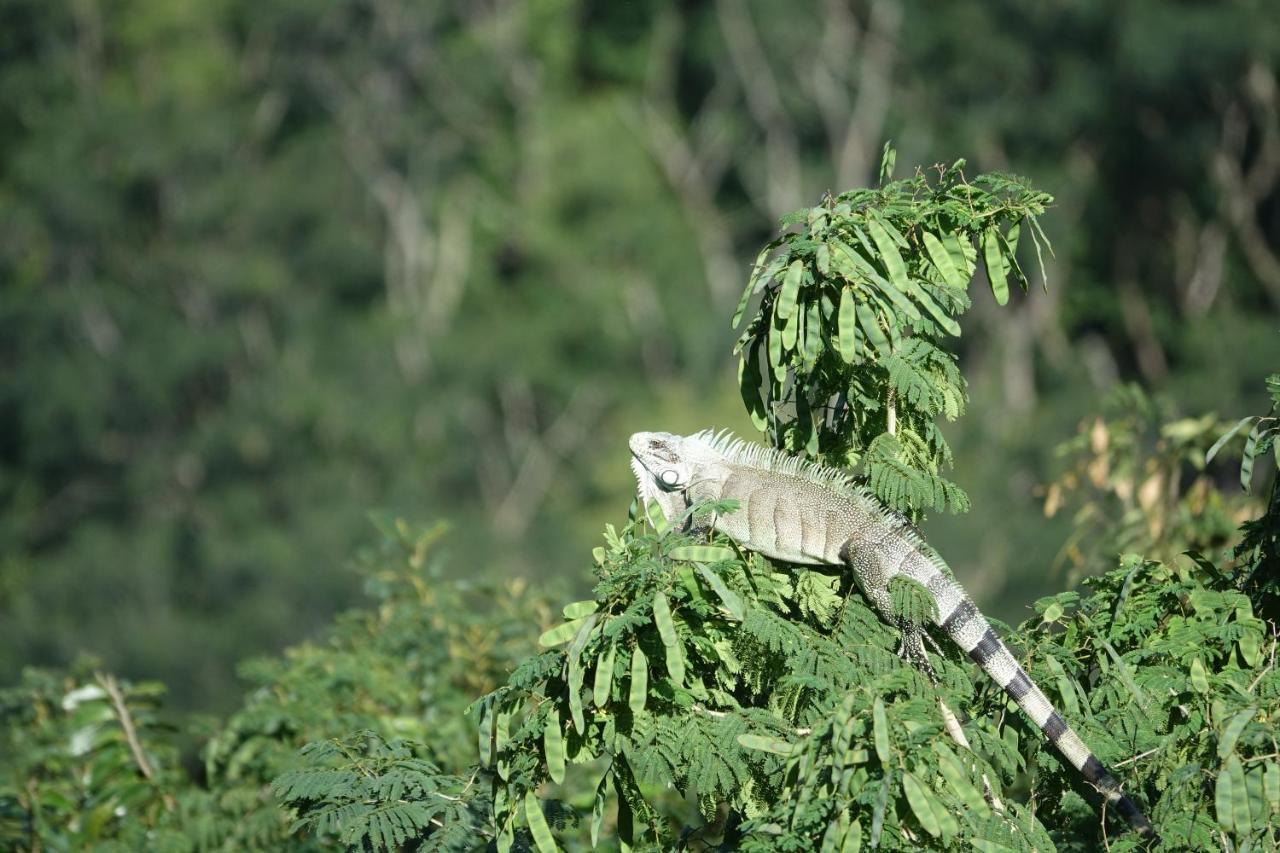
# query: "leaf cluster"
[842,359]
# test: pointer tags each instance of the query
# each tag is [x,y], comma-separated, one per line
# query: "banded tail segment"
[960,619]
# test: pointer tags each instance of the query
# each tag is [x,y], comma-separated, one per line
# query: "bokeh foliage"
[262,262]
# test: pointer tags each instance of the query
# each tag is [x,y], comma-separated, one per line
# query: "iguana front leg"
[870,576]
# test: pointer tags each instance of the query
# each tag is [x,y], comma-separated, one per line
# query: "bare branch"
[1242,192]
[860,140]
[112,688]
[783,190]
[693,173]
[537,470]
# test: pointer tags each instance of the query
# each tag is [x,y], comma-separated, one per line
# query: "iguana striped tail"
[960,619]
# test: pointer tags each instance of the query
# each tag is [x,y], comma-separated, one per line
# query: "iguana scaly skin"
[805,513]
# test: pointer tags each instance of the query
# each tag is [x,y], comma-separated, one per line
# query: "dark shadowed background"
[266,265]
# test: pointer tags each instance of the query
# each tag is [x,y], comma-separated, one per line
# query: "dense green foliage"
[389,685]
[770,697]
[266,264]
[853,304]
[263,262]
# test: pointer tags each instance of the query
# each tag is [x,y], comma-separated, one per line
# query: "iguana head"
[665,465]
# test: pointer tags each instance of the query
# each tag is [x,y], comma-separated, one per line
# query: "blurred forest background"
[267,265]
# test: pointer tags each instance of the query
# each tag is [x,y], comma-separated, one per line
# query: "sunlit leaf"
[538,827]
[790,290]
[996,273]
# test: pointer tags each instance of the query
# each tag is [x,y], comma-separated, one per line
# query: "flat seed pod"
[760,743]
[538,827]
[1234,728]
[639,681]
[553,748]
[597,811]
[871,327]
[731,600]
[790,291]
[812,334]
[880,725]
[943,261]
[848,326]
[603,684]
[670,640]
[702,553]
[562,633]
[932,815]
[888,250]
[996,273]
[579,609]
[953,771]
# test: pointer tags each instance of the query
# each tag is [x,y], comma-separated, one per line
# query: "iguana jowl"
[801,512]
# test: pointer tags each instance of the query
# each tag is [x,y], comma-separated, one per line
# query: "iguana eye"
[669,478]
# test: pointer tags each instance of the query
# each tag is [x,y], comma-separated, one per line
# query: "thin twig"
[112,688]
[957,734]
[1266,669]
[109,684]
[1138,757]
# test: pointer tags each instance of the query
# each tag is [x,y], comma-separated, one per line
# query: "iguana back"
[801,512]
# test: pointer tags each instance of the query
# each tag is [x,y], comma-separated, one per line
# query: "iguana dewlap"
[802,512]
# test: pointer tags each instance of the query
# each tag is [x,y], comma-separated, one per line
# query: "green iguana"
[801,512]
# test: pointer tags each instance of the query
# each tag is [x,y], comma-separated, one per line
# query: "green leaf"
[756,269]
[1246,459]
[670,640]
[561,633]
[603,684]
[1230,797]
[893,263]
[775,342]
[812,334]
[953,772]
[1066,690]
[943,319]
[749,386]
[580,609]
[995,265]
[888,157]
[1231,733]
[1009,249]
[852,842]
[848,340]
[653,512]
[760,743]
[962,253]
[702,553]
[871,327]
[732,601]
[822,258]
[575,675]
[1249,649]
[639,681]
[597,811]
[931,813]
[553,747]
[485,734]
[1199,677]
[791,332]
[1271,786]
[790,291]
[943,262]
[881,731]
[538,827]
[501,734]
[985,846]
